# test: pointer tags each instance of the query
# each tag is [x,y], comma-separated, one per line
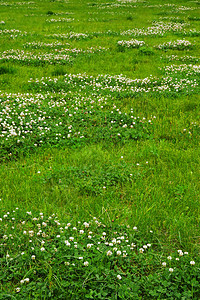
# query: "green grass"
[88,156]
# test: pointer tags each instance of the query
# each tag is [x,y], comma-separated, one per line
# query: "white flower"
[169,257]
[86,263]
[26,280]
[171,270]
[80,257]
[104,233]
[71,238]
[86,224]
[67,243]
[192,263]
[22,281]
[42,249]
[135,228]
[17,289]
[119,277]
[81,231]
[141,250]
[33,257]
[119,252]
[164,264]
[109,253]
[177,258]
[145,246]
[186,253]
[149,245]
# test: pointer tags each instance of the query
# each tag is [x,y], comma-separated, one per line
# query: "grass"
[79,138]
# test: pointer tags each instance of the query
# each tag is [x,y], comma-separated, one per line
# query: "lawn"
[99,149]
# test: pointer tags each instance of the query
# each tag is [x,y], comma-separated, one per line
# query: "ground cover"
[99,149]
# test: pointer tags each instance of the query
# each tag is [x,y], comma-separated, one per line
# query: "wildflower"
[81,231]
[109,253]
[135,228]
[119,277]
[17,289]
[33,257]
[119,252]
[171,270]
[42,249]
[141,250]
[192,263]
[86,263]
[169,257]
[26,280]
[67,243]
[80,257]
[164,264]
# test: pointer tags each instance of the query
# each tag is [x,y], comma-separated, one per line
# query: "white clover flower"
[80,257]
[42,249]
[135,228]
[86,224]
[24,232]
[29,212]
[119,252]
[169,257]
[33,257]
[74,228]
[89,236]
[22,281]
[71,238]
[44,224]
[81,231]
[145,247]
[17,289]
[67,243]
[141,250]
[119,277]
[104,233]
[67,263]
[171,270]
[86,263]
[109,253]
[164,264]
[192,263]
[89,246]
[186,253]
[149,245]
[26,280]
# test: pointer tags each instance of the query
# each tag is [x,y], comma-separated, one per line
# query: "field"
[99,149]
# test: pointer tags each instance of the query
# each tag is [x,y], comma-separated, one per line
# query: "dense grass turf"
[99,117]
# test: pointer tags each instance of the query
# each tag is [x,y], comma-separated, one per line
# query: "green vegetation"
[99,149]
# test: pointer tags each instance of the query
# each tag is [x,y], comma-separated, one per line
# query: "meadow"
[99,149]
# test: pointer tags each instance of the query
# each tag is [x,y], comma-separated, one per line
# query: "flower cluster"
[12,33]
[177,45]
[131,44]
[21,56]
[159,28]
[60,20]
[70,36]
[27,123]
